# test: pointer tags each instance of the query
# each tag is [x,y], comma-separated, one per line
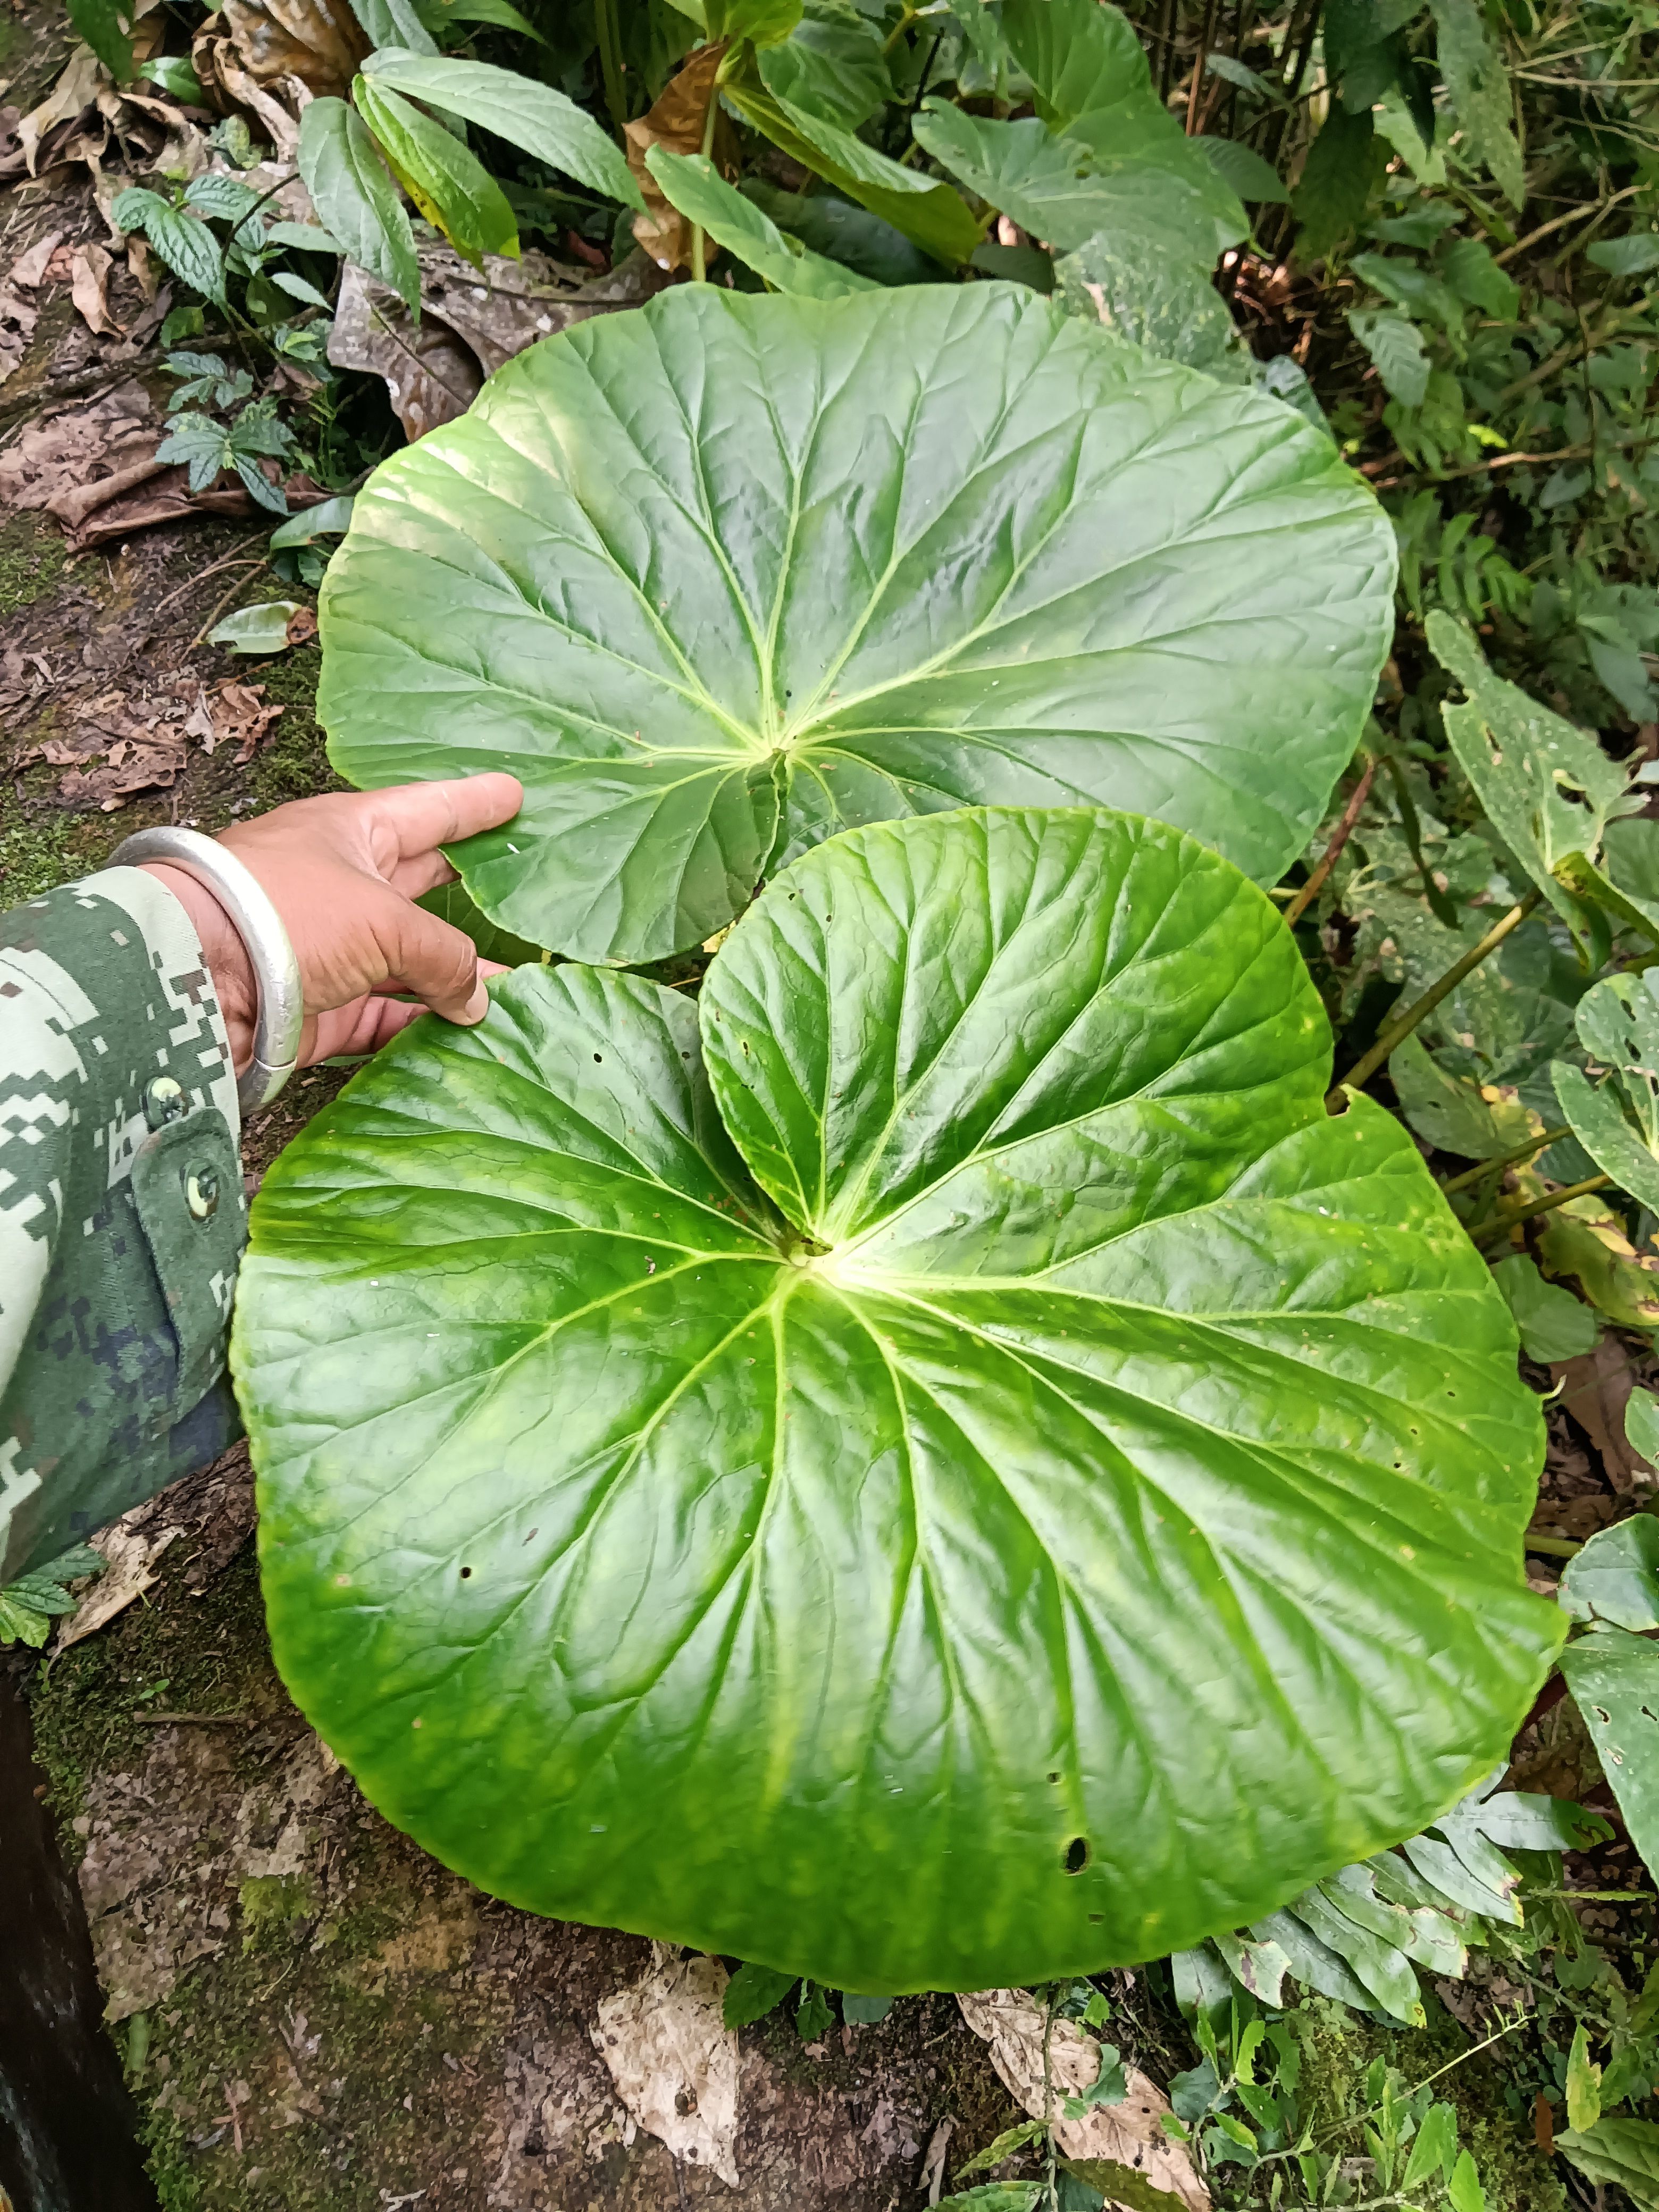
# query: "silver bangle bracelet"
[276,970]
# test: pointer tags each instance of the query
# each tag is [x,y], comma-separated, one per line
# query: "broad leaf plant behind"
[721,577]
[940,1464]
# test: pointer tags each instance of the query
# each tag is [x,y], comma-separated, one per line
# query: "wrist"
[227,963]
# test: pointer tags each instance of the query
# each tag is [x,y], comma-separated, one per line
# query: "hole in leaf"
[1053,1778]
[465,1571]
[1077,1855]
[598,1056]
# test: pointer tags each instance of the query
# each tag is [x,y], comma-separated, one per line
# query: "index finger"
[422,816]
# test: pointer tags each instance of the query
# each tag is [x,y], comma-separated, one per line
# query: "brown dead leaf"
[29,269]
[1596,1388]
[74,92]
[471,321]
[673,2060]
[77,446]
[89,289]
[302,626]
[1127,2133]
[677,119]
[18,317]
[319,41]
[431,377]
[237,714]
[131,1552]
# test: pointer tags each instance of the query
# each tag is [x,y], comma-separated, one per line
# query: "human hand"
[344,873]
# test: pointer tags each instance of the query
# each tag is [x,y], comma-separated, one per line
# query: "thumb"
[436,961]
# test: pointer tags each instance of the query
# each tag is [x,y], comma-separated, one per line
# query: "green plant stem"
[1566,355]
[1508,1216]
[699,260]
[1554,1547]
[1340,836]
[1506,1159]
[1367,1065]
[1559,222]
[610,65]
[899,30]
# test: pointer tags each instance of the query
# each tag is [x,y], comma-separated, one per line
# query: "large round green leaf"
[720,576]
[1087,1512]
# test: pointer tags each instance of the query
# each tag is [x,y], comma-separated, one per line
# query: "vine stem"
[699,253]
[1368,1063]
[1507,1216]
[1340,836]
[1507,1159]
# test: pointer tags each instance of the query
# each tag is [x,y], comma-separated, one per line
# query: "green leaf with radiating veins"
[931,547]
[953,1386]
[1620,2153]
[832,63]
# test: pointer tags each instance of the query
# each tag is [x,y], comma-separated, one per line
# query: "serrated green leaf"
[1344,165]
[355,197]
[1547,789]
[691,183]
[1468,267]
[23,1624]
[820,672]
[1478,86]
[1552,1323]
[1620,2153]
[533,116]
[752,1992]
[917,1317]
[227,198]
[1434,2148]
[1001,2147]
[448,184]
[188,247]
[1395,346]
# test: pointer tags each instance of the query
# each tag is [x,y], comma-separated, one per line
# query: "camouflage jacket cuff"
[122,1217]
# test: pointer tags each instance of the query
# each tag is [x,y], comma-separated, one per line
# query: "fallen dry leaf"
[75,91]
[30,268]
[677,119]
[132,1544]
[89,289]
[673,2060]
[471,321]
[77,447]
[319,43]
[1127,2134]
[18,317]
[1594,1389]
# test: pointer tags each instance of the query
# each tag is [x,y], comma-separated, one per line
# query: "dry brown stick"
[202,575]
[238,585]
[1340,836]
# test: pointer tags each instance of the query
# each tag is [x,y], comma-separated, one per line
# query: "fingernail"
[478,1004]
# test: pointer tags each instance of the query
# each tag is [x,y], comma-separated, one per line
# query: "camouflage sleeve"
[122,1217]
